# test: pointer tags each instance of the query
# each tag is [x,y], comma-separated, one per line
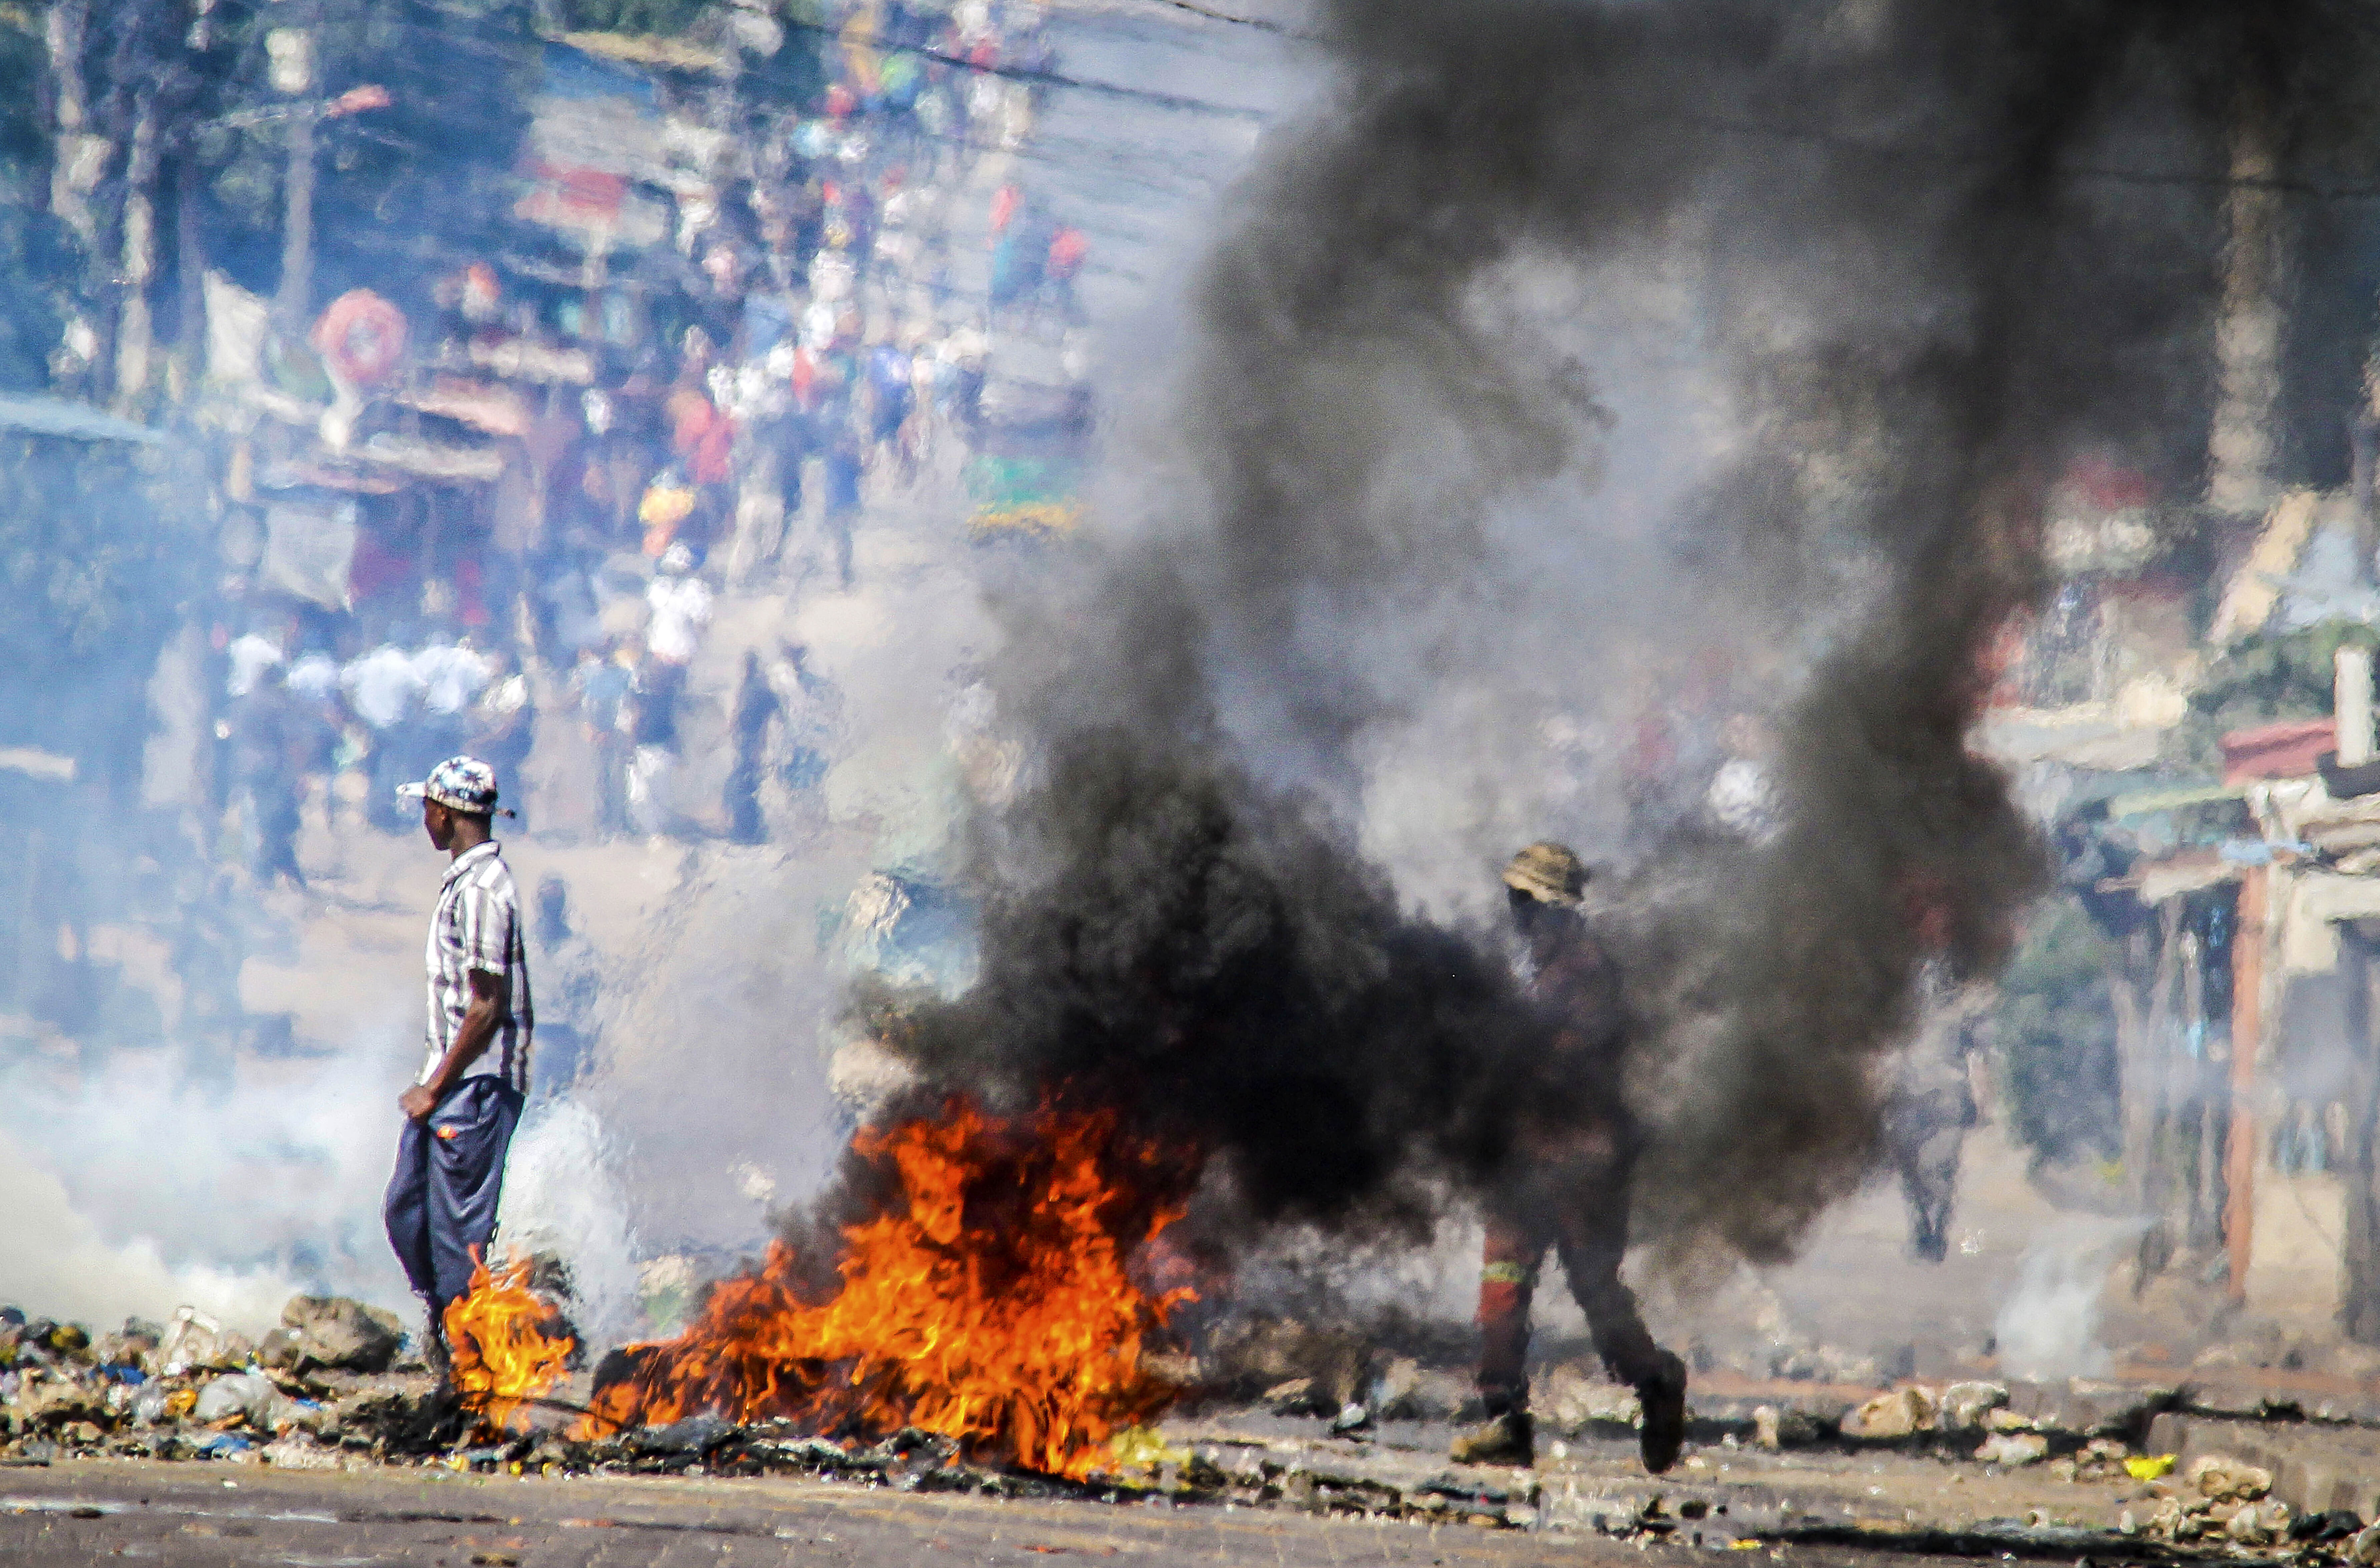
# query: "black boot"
[1506,1438]
[434,1352]
[1663,1397]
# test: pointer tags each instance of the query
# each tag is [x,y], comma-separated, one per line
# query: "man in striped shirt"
[460,1113]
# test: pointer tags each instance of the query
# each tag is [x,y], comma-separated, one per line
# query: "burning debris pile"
[508,1345]
[995,1302]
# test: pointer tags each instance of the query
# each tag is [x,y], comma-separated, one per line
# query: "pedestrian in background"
[505,719]
[383,690]
[757,706]
[601,685]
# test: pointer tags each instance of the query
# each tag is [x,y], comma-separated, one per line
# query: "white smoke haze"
[2049,1326]
[61,1262]
[132,1190]
[562,1200]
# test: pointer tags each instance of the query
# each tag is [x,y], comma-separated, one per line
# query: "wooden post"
[2147,1101]
[65,27]
[2359,1282]
[2247,1039]
[298,224]
[133,335]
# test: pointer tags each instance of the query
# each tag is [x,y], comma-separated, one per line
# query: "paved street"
[103,1510]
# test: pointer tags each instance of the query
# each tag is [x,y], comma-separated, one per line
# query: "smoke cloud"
[1575,370]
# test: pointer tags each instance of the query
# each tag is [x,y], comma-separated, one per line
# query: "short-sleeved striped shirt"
[478,926]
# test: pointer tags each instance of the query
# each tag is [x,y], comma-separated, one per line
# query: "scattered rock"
[1406,1391]
[1298,1396]
[1823,1364]
[298,1453]
[52,1402]
[2337,1524]
[400,1414]
[1572,1402]
[1262,1352]
[2260,1524]
[334,1331]
[1902,1413]
[2222,1478]
[2011,1449]
[1180,1369]
[1964,1405]
[695,1435]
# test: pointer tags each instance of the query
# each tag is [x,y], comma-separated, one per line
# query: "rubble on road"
[320,1389]
[327,1389]
[332,1334]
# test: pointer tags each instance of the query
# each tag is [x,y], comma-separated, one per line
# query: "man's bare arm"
[480,1021]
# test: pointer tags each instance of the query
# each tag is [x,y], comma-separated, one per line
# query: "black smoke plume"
[1936,248]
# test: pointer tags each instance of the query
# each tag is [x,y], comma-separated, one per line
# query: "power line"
[1838,141]
[1259,23]
[1035,77]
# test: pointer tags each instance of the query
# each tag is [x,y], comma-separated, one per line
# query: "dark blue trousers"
[449,1171]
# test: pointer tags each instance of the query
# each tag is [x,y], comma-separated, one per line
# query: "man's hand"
[479,1028]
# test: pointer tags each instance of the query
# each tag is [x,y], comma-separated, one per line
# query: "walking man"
[1567,1191]
[757,706]
[459,1114]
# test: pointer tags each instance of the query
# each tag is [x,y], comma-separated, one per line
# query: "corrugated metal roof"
[74,421]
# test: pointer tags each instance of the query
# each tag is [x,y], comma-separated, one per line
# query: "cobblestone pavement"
[102,1512]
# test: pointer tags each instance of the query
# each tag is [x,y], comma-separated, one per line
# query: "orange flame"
[995,1306]
[502,1344]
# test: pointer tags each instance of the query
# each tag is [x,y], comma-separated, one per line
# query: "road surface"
[95,1512]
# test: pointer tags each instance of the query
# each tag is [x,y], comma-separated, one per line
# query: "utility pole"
[2241,445]
[133,335]
[81,156]
[291,51]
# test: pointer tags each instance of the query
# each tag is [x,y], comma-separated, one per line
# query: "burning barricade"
[993,1303]
[508,1345]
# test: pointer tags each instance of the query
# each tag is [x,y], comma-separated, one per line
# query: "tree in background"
[41,269]
[102,545]
[405,193]
[2063,1075]
[668,16]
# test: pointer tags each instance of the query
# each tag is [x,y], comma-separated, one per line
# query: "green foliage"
[38,259]
[401,193]
[2264,678]
[100,546]
[2062,1074]
[22,143]
[670,16]
[38,263]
